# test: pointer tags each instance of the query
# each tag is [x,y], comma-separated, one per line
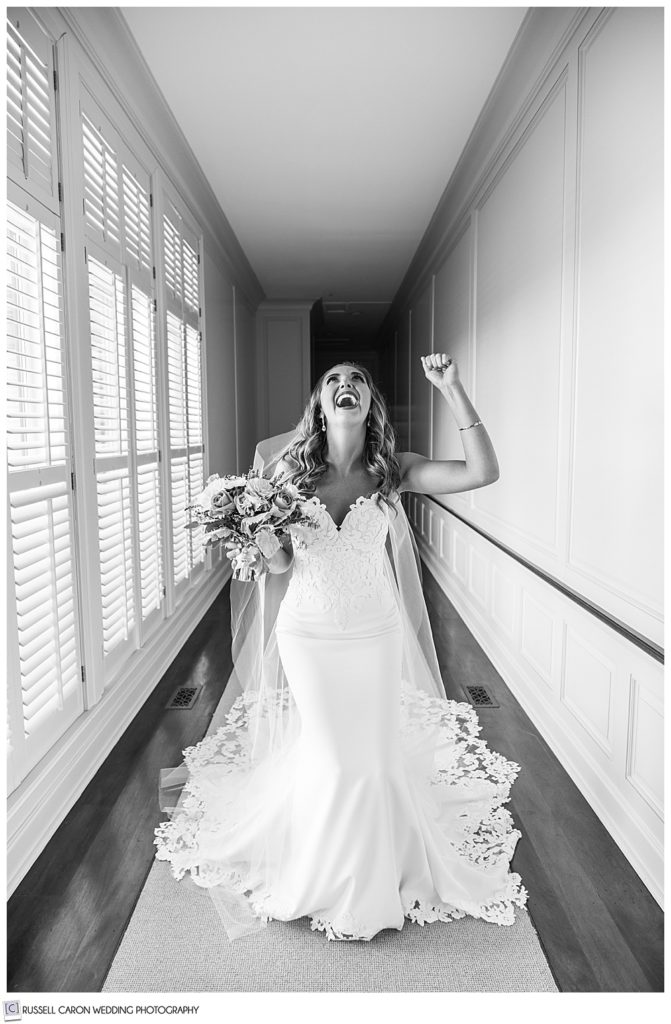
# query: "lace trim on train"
[345,927]
[463,759]
[228,747]
[460,757]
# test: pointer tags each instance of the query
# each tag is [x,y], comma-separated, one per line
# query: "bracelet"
[478,423]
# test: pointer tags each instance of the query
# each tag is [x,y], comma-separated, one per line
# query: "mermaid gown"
[386,805]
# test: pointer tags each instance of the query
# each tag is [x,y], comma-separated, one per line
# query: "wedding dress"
[375,801]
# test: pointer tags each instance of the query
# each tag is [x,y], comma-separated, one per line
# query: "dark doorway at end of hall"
[347,332]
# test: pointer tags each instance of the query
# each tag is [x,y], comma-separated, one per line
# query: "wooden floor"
[601,929]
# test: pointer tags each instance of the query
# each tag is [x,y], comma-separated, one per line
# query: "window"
[124,379]
[181,298]
[103,335]
[45,692]
[31,108]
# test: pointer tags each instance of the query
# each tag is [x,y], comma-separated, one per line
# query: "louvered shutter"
[125,381]
[145,380]
[195,431]
[181,278]
[31,117]
[101,185]
[46,695]
[179,470]
[111,431]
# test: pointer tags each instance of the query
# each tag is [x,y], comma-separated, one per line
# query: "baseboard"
[47,794]
[645,855]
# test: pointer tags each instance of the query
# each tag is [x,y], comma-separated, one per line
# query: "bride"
[344,786]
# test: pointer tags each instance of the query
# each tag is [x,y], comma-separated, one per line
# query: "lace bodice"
[341,570]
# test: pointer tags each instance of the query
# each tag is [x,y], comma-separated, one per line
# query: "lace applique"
[344,927]
[499,911]
[460,758]
[341,569]
[468,759]
[230,749]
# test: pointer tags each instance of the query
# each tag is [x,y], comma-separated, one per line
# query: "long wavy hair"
[307,451]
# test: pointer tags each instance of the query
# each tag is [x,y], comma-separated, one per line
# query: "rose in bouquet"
[252,511]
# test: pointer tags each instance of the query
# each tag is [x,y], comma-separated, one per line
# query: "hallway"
[208,207]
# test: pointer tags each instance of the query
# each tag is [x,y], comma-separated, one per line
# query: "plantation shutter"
[31,114]
[112,465]
[181,278]
[145,378]
[45,689]
[125,381]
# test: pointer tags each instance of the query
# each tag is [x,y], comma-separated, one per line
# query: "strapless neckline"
[355,504]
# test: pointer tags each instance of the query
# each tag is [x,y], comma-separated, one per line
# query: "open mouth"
[346,400]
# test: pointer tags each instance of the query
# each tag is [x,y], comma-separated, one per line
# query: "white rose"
[212,487]
[259,486]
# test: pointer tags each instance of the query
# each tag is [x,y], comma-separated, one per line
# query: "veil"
[263,721]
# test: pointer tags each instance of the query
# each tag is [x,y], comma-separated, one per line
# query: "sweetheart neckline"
[354,504]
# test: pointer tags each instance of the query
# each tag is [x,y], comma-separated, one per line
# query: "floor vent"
[184,698]
[479,697]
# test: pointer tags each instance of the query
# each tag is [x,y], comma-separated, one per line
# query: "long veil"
[230,767]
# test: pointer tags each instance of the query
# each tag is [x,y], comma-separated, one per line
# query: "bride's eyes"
[355,376]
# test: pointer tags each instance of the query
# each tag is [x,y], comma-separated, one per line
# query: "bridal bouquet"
[253,511]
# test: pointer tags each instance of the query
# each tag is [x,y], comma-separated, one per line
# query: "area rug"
[175,943]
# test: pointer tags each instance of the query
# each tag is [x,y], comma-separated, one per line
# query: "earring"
[323,424]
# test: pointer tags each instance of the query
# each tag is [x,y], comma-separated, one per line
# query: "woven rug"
[175,943]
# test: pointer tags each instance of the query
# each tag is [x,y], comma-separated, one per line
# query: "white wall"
[283,354]
[545,260]
[616,445]
[421,343]
[452,326]
[403,381]
[246,363]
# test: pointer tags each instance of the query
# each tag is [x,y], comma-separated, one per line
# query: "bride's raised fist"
[440,369]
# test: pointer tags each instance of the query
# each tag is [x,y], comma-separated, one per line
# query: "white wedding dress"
[386,805]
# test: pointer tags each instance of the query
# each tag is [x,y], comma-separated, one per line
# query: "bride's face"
[345,395]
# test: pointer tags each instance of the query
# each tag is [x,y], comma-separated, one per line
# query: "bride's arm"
[281,559]
[479,466]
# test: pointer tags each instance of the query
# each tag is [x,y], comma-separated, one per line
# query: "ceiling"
[328,134]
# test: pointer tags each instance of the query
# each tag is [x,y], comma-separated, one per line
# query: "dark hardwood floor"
[601,929]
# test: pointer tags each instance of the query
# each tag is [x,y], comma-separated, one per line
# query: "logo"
[11,1009]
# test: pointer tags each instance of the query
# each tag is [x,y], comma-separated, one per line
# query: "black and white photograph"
[335,507]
